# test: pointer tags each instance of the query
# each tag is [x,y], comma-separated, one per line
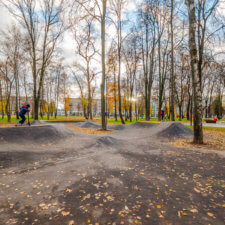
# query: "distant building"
[76,108]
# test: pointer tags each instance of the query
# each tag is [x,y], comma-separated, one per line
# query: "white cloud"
[5,18]
[221,8]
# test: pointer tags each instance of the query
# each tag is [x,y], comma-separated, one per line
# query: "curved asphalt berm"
[133,176]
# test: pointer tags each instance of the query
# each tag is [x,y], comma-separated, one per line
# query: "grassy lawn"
[216,129]
[14,119]
[214,139]
[110,120]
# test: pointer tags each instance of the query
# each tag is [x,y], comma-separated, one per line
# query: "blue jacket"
[23,110]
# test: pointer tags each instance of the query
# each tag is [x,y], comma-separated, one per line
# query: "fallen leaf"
[195,189]
[64,213]
[68,190]
[210,214]
[194,210]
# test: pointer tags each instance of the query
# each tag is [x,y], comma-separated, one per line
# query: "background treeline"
[169,52]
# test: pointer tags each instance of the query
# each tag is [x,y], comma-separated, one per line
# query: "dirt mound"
[118,127]
[108,141]
[88,124]
[34,134]
[143,125]
[174,130]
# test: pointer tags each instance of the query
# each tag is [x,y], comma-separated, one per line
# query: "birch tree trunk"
[196,77]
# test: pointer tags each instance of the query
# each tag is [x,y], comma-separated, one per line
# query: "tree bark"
[114,91]
[196,77]
[103,64]
[172,85]
[119,71]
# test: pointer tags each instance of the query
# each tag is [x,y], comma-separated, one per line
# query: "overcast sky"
[68,44]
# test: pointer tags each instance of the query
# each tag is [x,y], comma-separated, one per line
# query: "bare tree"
[86,49]
[148,46]
[132,57]
[98,11]
[117,7]
[6,73]
[43,28]
[112,68]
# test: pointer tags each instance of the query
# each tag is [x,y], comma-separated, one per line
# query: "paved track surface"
[134,176]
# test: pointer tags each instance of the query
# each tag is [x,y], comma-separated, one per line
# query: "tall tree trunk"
[130,111]
[172,85]
[119,73]
[103,64]
[1,99]
[89,98]
[8,113]
[196,78]
[114,91]
[180,112]
[160,80]
[145,65]
[188,108]
[206,108]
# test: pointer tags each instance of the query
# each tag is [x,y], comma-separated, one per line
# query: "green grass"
[109,120]
[220,129]
[14,119]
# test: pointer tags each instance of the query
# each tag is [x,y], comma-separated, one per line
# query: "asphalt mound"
[108,141]
[88,124]
[62,121]
[143,125]
[118,127]
[34,134]
[173,130]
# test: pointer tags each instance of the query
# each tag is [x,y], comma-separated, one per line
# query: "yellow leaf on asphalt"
[210,214]
[68,190]
[42,204]
[64,213]
[196,190]
[159,206]
[194,210]
[141,173]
